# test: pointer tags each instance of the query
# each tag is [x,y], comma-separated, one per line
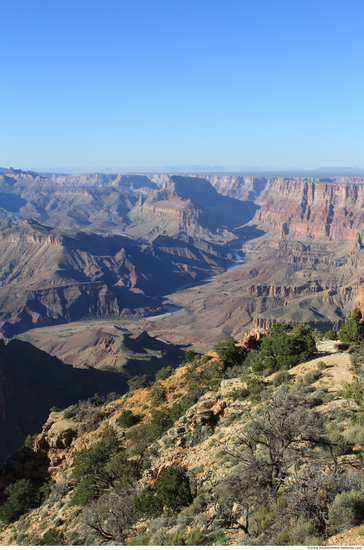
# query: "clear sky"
[121,83]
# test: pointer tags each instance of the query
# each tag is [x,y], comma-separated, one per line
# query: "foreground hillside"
[257,442]
[33,381]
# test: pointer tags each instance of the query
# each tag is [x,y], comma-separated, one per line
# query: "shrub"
[29,441]
[177,539]
[311,377]
[70,412]
[353,328]
[104,467]
[158,394]
[22,496]
[52,537]
[142,540]
[190,356]
[127,419]
[283,349]
[347,509]
[342,346]
[112,396]
[173,492]
[161,422]
[331,335]
[355,435]
[280,377]
[229,353]
[199,434]
[234,372]
[138,382]
[255,386]
[296,534]
[95,401]
[319,397]
[163,373]
[20,537]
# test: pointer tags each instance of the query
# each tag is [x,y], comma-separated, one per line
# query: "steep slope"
[34,379]
[207,440]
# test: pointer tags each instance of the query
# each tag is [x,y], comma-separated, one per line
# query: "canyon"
[104,277]
[88,246]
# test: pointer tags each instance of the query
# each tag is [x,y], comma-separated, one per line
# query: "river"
[176,311]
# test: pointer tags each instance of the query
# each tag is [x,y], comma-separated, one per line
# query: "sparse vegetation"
[275,475]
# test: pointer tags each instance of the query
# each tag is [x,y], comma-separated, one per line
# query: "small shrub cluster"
[158,394]
[172,492]
[21,497]
[139,382]
[163,373]
[311,377]
[331,335]
[280,377]
[285,348]
[127,419]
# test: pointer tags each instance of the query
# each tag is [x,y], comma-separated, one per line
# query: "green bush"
[190,356]
[353,328]
[142,540]
[127,419]
[280,377]
[285,348]
[101,467]
[161,422]
[311,377]
[95,401]
[138,382]
[52,537]
[22,496]
[172,492]
[331,335]
[296,534]
[163,373]
[255,386]
[158,394]
[229,353]
[319,397]
[177,539]
[355,435]
[347,509]
[70,412]
[29,441]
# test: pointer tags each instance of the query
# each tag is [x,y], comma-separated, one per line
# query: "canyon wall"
[321,209]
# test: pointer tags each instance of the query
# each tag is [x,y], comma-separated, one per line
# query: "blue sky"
[120,83]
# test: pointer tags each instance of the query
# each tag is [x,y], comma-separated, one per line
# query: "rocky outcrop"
[46,456]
